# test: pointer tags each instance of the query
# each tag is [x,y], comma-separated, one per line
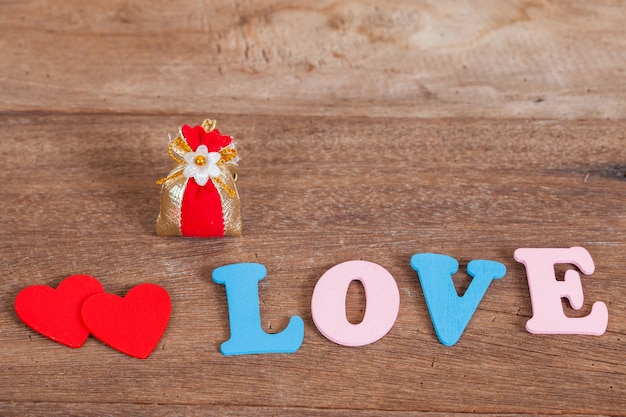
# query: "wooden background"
[367,131]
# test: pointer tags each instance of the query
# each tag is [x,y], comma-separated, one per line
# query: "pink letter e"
[546,292]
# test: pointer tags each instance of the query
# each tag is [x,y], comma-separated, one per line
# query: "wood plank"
[78,196]
[519,59]
[163,410]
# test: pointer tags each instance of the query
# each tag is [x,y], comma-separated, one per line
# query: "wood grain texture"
[539,59]
[368,130]
[317,192]
[162,410]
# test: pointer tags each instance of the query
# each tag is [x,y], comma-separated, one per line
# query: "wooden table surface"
[368,131]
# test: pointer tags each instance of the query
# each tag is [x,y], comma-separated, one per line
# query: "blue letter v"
[449,312]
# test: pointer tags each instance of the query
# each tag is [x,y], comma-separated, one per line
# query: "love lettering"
[449,313]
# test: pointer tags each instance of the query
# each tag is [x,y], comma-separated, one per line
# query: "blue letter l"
[246,335]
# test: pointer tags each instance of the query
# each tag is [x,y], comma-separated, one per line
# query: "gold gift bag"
[199,197]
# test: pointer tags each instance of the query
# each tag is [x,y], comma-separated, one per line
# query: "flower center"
[200,160]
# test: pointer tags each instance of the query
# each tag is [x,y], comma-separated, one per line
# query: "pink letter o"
[328,305]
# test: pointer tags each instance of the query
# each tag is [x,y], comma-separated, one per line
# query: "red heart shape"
[56,313]
[132,324]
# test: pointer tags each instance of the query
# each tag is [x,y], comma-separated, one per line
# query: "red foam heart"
[56,313]
[132,324]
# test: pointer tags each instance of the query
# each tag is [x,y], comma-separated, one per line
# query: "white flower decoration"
[202,165]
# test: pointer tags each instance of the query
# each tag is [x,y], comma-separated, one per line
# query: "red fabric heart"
[56,313]
[132,324]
